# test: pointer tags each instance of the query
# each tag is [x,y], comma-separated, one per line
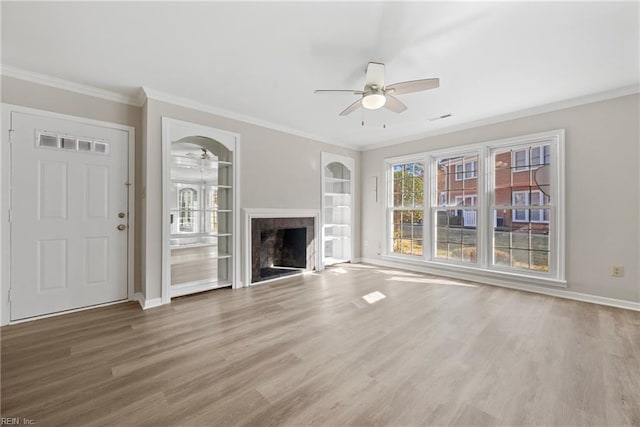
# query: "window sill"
[476,274]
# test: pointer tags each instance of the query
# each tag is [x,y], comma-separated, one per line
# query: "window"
[541,155]
[187,199]
[467,170]
[522,239]
[531,157]
[406,208]
[455,221]
[520,160]
[505,220]
[520,198]
[530,198]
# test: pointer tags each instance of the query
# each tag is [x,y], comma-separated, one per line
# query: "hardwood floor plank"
[309,350]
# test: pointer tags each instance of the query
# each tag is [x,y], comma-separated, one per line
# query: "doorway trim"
[174,130]
[5,202]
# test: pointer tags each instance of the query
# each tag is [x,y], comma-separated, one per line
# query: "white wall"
[278,170]
[602,187]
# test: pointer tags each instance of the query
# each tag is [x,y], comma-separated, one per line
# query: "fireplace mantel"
[250,213]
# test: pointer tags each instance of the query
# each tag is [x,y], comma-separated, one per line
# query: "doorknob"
[122,215]
[121,227]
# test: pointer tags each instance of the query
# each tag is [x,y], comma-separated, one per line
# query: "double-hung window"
[455,215]
[495,207]
[405,207]
[523,241]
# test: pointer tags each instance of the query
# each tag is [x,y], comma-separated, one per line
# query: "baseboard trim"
[560,293]
[62,313]
[146,304]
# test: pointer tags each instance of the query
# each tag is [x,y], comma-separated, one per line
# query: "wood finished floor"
[310,350]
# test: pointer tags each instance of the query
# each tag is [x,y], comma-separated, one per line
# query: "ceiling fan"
[376,95]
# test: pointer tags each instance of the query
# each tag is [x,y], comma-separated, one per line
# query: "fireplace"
[281,247]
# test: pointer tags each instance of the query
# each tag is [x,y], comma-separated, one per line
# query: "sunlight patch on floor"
[339,270]
[431,281]
[398,273]
[360,266]
[374,297]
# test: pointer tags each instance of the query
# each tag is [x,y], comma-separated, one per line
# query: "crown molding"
[194,105]
[30,76]
[145,93]
[547,108]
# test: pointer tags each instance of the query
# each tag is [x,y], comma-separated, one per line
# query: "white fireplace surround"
[249,213]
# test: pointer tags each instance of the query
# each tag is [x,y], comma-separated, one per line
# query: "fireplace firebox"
[281,247]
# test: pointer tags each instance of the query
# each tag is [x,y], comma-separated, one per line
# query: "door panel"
[52,190]
[52,265]
[97,191]
[68,186]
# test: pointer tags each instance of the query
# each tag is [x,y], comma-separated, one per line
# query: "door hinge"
[10,215]
[11,131]
[9,295]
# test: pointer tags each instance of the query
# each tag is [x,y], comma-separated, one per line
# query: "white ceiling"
[264,60]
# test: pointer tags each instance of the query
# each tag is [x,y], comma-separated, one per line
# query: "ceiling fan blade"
[351,108]
[394,104]
[339,91]
[412,86]
[375,74]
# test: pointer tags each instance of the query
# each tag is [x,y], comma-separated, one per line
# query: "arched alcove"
[199,193]
[337,208]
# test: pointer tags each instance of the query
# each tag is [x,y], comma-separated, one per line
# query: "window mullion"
[485,173]
[430,190]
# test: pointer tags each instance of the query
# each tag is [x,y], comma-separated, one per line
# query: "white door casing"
[66,249]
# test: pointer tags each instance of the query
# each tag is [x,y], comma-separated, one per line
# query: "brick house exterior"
[515,185]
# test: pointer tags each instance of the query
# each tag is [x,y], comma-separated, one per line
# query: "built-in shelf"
[201,212]
[337,200]
[193,245]
[205,210]
[332,179]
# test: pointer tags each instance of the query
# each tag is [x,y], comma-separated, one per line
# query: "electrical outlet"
[617,271]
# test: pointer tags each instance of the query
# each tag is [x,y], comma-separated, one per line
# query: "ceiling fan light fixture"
[373,101]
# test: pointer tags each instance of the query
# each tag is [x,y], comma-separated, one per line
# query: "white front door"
[69,215]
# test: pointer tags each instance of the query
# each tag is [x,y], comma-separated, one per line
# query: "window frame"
[485,205]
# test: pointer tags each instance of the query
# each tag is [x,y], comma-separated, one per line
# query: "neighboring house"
[516,185]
